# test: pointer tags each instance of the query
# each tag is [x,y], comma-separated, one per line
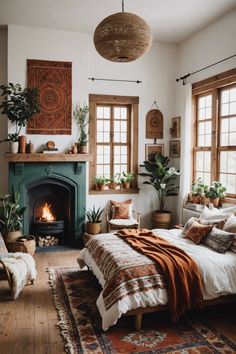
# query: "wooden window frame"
[133,103]
[213,86]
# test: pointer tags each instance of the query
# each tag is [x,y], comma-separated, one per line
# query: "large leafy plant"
[11,214]
[163,178]
[19,105]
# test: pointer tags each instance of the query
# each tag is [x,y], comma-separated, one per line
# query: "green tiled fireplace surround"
[25,176]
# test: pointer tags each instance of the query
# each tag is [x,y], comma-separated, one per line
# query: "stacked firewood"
[45,241]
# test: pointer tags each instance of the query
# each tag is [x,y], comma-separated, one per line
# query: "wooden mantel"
[40,157]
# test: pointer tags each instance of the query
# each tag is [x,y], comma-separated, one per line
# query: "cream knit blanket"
[22,268]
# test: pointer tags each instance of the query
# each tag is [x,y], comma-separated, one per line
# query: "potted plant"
[198,191]
[126,179]
[80,115]
[100,183]
[19,105]
[114,181]
[94,220]
[11,216]
[164,180]
[216,192]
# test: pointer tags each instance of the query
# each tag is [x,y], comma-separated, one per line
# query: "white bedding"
[218,273]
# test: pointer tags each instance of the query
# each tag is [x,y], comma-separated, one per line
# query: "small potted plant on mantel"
[94,220]
[80,115]
[19,105]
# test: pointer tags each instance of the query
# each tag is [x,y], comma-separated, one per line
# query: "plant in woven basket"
[11,214]
[94,220]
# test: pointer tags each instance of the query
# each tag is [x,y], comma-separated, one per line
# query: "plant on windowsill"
[94,220]
[11,216]
[164,180]
[114,182]
[217,192]
[126,179]
[101,183]
[19,105]
[199,192]
[80,114]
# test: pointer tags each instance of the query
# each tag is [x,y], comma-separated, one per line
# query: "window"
[113,136]
[214,152]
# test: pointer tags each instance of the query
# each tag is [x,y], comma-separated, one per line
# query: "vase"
[13,147]
[22,144]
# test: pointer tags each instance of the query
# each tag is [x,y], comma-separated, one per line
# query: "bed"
[104,254]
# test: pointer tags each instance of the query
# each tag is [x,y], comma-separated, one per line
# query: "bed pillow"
[219,223]
[230,226]
[197,232]
[219,240]
[122,210]
[217,214]
[188,224]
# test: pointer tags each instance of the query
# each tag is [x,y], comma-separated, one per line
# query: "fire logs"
[45,241]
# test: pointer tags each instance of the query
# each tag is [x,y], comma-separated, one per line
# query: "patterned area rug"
[75,293]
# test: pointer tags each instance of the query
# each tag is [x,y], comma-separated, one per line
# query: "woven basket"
[25,243]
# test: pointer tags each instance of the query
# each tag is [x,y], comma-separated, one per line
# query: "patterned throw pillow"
[230,226]
[188,224]
[3,248]
[219,240]
[122,210]
[197,232]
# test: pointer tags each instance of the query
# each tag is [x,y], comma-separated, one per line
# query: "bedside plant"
[94,220]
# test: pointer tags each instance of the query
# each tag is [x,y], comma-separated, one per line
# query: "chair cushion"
[123,222]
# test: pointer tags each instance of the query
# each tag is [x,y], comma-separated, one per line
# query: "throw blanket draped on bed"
[181,273]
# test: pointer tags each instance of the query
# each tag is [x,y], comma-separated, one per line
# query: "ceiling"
[170,20]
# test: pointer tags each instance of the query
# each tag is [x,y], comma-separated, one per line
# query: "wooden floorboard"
[29,324]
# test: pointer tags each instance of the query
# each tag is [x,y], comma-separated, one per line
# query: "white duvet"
[218,273]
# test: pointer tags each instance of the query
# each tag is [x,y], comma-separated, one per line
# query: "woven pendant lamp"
[122,37]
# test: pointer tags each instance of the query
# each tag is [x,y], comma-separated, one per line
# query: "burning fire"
[46,213]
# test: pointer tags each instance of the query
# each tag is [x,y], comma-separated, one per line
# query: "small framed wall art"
[152,149]
[175,127]
[174,148]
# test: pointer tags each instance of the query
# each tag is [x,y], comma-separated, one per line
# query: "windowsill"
[115,191]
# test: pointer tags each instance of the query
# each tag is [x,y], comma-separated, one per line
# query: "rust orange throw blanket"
[181,273]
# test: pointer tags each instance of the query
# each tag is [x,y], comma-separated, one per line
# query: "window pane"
[199,161]
[203,165]
[123,126]
[99,137]
[231,161]
[209,101]
[123,137]
[201,128]
[124,150]
[117,150]
[99,112]
[202,102]
[228,170]
[223,161]
[224,139]
[123,158]
[201,140]
[208,127]
[232,124]
[117,137]
[117,126]
[107,112]
[100,125]
[106,126]
[123,113]
[225,96]
[117,159]
[224,125]
[232,109]
[207,140]
[202,114]
[233,94]
[117,113]
[232,139]
[225,109]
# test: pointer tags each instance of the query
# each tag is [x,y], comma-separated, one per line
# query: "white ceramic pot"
[13,147]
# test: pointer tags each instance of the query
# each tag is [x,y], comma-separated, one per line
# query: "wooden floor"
[29,325]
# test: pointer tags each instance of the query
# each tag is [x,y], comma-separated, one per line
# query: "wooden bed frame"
[138,313]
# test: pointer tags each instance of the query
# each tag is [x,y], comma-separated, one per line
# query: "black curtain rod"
[184,77]
[97,79]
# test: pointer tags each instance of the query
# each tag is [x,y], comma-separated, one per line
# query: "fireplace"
[54,194]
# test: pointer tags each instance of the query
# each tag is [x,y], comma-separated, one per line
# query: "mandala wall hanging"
[53,79]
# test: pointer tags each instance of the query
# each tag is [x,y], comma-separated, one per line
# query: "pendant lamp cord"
[123,6]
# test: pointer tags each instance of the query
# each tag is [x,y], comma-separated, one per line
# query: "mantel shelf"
[53,157]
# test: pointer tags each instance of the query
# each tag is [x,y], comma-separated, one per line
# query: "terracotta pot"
[101,187]
[12,236]
[205,200]
[94,228]
[196,199]
[215,201]
[161,219]
[13,147]
[113,185]
[126,185]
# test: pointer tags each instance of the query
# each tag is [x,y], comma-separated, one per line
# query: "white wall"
[3,120]
[156,70]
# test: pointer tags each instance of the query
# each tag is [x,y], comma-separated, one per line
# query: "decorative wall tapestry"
[53,79]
